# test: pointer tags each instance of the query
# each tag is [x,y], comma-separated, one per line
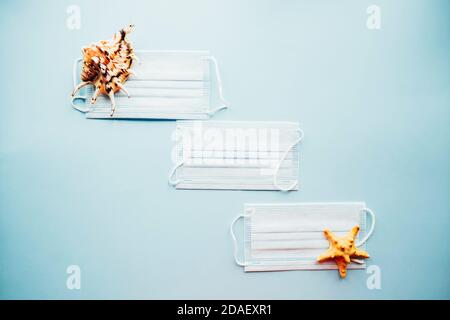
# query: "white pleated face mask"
[290,236]
[166,85]
[236,155]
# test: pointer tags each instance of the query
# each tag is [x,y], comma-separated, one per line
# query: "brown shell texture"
[107,66]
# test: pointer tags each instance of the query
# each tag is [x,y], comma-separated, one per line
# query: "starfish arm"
[347,258]
[352,234]
[327,255]
[360,253]
[329,235]
[342,266]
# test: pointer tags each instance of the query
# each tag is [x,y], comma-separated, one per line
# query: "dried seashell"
[107,66]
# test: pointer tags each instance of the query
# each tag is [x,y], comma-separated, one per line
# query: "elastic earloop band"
[275,181]
[368,234]
[172,173]
[235,244]
[74,79]
[74,71]
[219,86]
[81,109]
[217,109]
[177,165]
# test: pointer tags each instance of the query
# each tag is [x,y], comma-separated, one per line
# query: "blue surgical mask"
[289,236]
[166,85]
[236,155]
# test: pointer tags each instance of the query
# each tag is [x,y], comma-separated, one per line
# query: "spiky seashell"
[107,66]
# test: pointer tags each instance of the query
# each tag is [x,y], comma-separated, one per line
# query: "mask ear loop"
[224,104]
[77,97]
[360,243]
[174,170]
[235,244]
[172,173]
[233,237]
[275,181]
[372,216]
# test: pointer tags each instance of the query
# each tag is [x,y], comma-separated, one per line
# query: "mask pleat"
[287,236]
[179,66]
[287,253]
[232,173]
[170,85]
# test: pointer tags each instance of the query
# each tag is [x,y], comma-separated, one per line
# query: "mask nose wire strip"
[235,244]
[275,181]
[224,104]
[372,216]
[78,97]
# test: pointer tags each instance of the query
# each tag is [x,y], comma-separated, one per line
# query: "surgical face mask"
[236,155]
[166,85]
[290,236]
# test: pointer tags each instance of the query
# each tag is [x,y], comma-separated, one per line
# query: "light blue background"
[374,106]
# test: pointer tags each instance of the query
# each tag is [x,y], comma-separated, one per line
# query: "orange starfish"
[342,250]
